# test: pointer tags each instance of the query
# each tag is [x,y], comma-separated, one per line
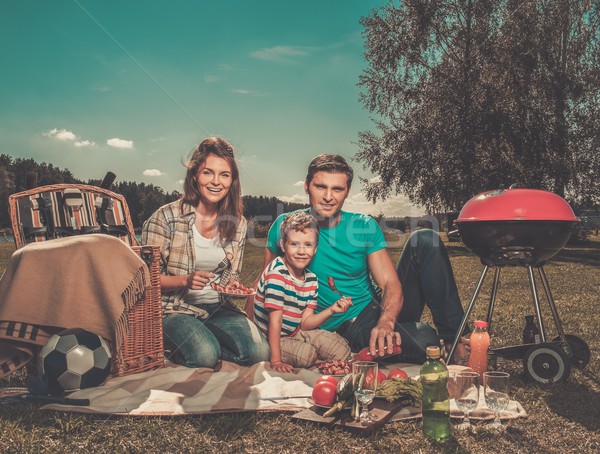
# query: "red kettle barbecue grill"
[523,227]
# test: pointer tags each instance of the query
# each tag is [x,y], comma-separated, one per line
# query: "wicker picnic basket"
[59,210]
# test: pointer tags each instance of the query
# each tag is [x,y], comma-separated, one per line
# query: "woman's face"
[214,179]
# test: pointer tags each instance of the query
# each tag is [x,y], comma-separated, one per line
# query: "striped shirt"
[279,290]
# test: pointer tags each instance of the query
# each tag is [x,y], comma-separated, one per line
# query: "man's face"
[326,193]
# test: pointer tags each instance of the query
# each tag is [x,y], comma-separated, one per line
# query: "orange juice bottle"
[480,343]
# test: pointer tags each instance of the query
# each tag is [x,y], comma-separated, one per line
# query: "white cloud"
[60,134]
[152,173]
[101,88]
[299,184]
[281,53]
[296,198]
[241,91]
[119,143]
[84,143]
[209,79]
[180,182]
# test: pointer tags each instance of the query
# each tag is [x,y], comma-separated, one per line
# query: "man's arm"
[249,306]
[384,273]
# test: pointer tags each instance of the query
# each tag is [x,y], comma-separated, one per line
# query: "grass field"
[563,417]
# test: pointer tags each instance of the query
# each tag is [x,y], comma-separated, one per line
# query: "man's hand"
[383,337]
[341,305]
[280,366]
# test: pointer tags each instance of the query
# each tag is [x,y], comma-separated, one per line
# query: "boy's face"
[327,193]
[299,248]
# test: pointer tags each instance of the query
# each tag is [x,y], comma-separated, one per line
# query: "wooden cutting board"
[380,407]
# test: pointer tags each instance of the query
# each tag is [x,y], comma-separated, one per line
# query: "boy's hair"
[299,221]
[333,163]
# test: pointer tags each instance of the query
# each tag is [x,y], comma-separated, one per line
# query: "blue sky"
[133,86]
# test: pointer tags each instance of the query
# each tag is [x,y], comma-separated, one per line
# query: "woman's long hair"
[230,209]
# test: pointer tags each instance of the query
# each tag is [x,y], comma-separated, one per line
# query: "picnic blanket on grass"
[86,281]
[178,390]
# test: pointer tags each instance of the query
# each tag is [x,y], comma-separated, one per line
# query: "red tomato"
[397,373]
[369,377]
[324,393]
[328,378]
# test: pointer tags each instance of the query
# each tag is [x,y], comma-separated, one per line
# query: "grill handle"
[454,235]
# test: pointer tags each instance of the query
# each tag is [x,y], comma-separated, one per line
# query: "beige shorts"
[305,347]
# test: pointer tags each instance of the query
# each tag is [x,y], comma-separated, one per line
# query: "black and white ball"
[75,359]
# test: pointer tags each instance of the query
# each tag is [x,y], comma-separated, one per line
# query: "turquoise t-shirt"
[342,254]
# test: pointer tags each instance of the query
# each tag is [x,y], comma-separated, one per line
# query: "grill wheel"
[546,363]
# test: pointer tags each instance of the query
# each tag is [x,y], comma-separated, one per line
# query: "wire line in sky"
[154,79]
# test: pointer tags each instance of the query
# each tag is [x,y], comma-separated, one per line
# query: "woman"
[201,239]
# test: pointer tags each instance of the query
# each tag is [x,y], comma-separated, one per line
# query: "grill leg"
[536,303]
[493,298]
[557,321]
[463,323]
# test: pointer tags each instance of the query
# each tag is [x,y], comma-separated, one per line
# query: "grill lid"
[516,204]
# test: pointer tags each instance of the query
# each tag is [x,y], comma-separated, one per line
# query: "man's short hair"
[333,163]
[299,221]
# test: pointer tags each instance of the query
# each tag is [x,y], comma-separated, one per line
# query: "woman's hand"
[198,279]
[280,366]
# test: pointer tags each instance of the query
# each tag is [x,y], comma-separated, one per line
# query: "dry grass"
[564,417]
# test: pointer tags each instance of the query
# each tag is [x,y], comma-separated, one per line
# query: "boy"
[286,299]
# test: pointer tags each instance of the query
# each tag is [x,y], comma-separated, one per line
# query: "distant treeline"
[143,199]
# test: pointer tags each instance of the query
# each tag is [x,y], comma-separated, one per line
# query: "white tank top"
[209,254]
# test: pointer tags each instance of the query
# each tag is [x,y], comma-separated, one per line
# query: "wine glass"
[364,378]
[496,388]
[466,395]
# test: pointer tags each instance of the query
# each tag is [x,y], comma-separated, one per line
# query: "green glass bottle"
[435,402]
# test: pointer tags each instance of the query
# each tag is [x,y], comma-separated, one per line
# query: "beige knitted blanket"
[83,281]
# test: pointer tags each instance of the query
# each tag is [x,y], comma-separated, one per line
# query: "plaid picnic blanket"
[178,390]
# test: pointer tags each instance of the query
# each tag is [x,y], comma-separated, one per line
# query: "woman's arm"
[274,336]
[156,232]
[194,281]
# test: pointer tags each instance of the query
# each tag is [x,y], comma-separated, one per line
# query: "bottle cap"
[433,352]
[481,324]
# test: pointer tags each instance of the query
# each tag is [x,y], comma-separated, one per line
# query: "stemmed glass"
[496,389]
[466,395]
[364,378]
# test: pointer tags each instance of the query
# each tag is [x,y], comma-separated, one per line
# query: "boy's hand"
[341,305]
[280,366]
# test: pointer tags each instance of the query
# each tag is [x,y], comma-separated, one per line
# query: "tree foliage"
[471,95]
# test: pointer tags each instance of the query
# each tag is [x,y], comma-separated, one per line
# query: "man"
[352,252]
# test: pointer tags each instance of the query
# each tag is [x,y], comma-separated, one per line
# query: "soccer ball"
[74,359]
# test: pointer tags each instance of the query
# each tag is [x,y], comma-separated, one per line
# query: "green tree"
[469,95]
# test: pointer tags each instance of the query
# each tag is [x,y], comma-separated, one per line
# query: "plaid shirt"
[170,228]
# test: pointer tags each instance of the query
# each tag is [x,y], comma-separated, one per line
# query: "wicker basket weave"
[141,348]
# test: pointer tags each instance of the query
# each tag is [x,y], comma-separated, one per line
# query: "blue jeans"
[426,275]
[224,334]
